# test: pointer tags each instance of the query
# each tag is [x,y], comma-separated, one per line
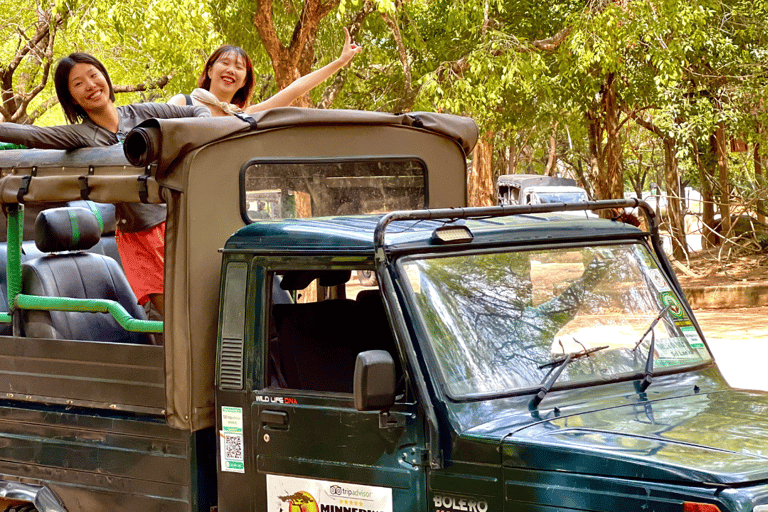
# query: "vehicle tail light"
[689,506]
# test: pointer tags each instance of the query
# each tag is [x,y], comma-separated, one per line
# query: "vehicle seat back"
[69,271]
[378,331]
[318,344]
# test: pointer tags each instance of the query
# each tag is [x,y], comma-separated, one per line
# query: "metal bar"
[117,311]
[503,211]
[15,217]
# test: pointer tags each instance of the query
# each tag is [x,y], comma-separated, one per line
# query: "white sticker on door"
[231,440]
[289,494]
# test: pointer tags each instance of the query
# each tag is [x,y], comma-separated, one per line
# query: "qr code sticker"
[233,447]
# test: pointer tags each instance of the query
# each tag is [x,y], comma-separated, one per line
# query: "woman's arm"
[68,136]
[169,111]
[308,82]
[179,99]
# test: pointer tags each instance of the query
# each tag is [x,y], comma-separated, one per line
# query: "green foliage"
[137,42]
[684,65]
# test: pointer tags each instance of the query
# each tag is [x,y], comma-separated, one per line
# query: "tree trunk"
[707,168]
[551,169]
[613,174]
[639,181]
[605,146]
[288,62]
[760,180]
[595,134]
[481,190]
[674,204]
[724,195]
[672,185]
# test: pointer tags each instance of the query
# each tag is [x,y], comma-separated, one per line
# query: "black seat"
[69,271]
[318,344]
[377,327]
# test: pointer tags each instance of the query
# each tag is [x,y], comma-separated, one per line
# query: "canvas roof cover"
[196,170]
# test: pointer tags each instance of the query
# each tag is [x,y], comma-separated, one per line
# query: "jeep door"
[311,444]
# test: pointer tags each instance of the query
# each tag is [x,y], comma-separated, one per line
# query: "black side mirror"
[374,382]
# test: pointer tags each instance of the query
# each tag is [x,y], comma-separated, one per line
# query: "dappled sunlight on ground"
[738,339]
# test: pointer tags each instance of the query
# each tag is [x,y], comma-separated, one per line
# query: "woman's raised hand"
[350,49]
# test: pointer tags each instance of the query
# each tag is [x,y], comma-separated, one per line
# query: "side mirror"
[374,381]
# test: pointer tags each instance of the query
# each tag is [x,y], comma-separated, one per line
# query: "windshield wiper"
[648,375]
[560,363]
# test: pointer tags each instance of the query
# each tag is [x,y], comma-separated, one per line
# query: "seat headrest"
[300,279]
[103,211]
[66,229]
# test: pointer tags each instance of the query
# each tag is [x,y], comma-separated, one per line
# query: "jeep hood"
[710,438]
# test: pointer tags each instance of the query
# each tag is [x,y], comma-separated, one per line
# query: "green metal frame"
[16,299]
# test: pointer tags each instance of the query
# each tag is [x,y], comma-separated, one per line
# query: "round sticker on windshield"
[675,309]
[658,280]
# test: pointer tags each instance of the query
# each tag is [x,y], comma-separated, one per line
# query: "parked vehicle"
[507,358]
[536,189]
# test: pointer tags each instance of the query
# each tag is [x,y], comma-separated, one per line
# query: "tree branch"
[330,93]
[549,44]
[43,30]
[157,83]
[264,23]
[43,108]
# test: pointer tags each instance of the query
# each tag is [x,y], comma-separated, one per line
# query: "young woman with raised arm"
[227,82]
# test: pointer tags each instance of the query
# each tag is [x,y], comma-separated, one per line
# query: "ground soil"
[711,268]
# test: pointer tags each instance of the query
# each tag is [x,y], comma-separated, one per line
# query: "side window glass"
[320,321]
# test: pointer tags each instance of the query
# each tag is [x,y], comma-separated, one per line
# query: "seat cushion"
[81,276]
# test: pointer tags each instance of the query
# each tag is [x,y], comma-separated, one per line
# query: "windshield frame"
[431,359]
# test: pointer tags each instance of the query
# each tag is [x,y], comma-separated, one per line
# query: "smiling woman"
[226,83]
[86,94]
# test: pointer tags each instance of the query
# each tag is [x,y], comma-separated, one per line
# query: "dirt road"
[738,339]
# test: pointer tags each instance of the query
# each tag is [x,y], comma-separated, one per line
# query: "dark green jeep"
[509,359]
[497,360]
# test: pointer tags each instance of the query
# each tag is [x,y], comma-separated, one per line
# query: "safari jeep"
[512,358]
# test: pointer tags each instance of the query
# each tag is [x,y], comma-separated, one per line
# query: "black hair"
[72,111]
[242,95]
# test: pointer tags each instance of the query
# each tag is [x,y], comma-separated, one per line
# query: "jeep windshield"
[495,320]
[567,196]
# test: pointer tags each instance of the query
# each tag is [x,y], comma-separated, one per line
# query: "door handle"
[277,418]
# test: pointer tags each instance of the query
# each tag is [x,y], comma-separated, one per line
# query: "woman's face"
[227,75]
[88,87]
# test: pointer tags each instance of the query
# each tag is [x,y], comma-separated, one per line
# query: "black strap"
[143,190]
[24,188]
[85,190]
[417,122]
[189,99]
[248,119]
